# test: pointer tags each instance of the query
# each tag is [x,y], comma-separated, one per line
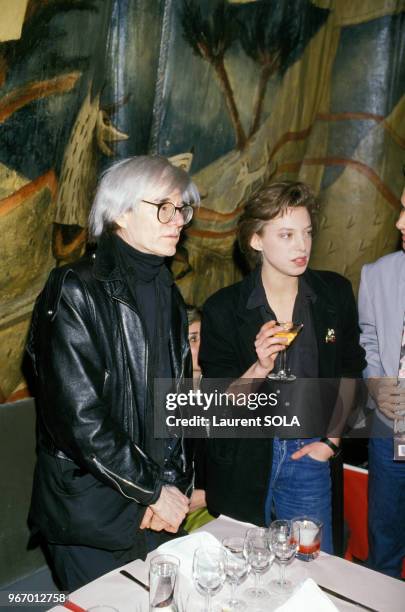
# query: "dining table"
[350,586]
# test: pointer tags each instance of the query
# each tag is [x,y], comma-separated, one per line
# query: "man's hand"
[152,521]
[388,395]
[171,507]
[147,518]
[316,450]
[157,524]
[197,500]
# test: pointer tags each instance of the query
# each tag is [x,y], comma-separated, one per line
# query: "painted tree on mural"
[210,39]
[274,35]
[276,38]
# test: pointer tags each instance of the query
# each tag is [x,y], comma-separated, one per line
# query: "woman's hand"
[268,346]
[316,450]
[197,500]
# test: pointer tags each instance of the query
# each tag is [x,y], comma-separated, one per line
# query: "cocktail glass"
[290,330]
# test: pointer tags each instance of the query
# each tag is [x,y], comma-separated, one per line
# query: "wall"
[17,457]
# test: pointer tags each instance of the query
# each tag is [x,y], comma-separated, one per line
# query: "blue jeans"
[300,487]
[386,508]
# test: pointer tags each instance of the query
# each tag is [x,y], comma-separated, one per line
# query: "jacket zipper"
[110,475]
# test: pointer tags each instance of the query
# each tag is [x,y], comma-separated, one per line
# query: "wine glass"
[236,569]
[284,542]
[258,554]
[289,331]
[209,571]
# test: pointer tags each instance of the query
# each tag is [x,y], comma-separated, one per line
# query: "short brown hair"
[193,314]
[266,204]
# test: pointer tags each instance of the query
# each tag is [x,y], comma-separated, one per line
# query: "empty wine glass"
[258,554]
[289,331]
[236,569]
[284,542]
[209,571]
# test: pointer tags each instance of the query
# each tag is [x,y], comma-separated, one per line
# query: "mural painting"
[239,92]
[47,75]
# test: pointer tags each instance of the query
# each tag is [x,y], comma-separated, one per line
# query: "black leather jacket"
[86,337]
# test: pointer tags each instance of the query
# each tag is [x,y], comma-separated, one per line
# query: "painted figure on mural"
[105,490]
[381,315]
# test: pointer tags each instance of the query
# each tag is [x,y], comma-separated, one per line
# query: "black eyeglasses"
[166,211]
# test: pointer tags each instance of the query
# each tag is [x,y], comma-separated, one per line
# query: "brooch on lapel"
[330,337]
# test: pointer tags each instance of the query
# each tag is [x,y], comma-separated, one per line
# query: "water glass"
[163,573]
[308,532]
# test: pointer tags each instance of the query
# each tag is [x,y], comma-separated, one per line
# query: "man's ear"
[256,242]
[122,220]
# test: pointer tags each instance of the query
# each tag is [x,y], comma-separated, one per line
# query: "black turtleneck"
[149,282]
[145,266]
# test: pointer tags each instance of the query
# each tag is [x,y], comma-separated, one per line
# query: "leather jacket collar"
[106,268]
[105,265]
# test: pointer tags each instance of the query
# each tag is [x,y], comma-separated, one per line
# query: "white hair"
[126,182]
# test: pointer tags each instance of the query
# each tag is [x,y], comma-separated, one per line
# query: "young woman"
[256,480]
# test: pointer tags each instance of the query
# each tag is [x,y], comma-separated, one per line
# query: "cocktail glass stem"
[283,363]
[282,574]
[233,593]
[257,580]
[208,601]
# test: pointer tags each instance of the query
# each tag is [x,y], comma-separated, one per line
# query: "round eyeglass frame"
[186,211]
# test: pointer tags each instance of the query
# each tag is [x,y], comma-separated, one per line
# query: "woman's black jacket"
[235,472]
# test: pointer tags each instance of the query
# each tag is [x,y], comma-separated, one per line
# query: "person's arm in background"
[367,322]
[387,395]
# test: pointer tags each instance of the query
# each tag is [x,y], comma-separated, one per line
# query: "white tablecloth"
[360,584]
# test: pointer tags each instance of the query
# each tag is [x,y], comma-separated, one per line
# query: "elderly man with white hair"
[105,490]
